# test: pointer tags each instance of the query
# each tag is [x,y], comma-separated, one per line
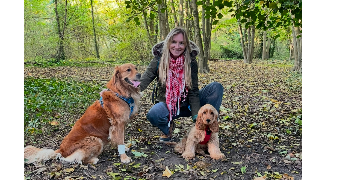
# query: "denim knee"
[158,116]
[212,94]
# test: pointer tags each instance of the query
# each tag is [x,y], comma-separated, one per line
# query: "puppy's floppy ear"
[214,127]
[199,121]
[114,79]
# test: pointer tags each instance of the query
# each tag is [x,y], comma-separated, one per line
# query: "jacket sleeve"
[194,99]
[149,75]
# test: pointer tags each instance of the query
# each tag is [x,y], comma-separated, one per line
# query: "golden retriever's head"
[125,77]
[207,116]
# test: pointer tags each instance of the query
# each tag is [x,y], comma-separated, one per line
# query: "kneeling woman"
[175,66]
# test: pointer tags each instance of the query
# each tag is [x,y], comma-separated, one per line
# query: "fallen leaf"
[268,167]
[54,123]
[167,172]
[69,170]
[260,178]
[287,177]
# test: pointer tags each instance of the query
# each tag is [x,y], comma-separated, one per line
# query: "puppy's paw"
[217,156]
[93,160]
[124,158]
[188,155]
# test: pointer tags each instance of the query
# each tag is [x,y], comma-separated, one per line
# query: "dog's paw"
[93,160]
[124,158]
[217,156]
[188,155]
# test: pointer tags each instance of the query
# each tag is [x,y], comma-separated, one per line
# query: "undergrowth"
[46,99]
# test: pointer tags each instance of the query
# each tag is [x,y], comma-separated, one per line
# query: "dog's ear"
[214,127]
[199,121]
[116,77]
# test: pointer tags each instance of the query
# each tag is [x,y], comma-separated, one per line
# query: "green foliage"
[226,41]
[45,99]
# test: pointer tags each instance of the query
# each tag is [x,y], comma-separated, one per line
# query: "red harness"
[207,135]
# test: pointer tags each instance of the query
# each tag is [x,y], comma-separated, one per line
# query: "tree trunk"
[207,37]
[264,39]
[162,21]
[191,22]
[60,51]
[251,50]
[197,34]
[268,46]
[181,15]
[152,34]
[147,28]
[297,47]
[174,13]
[96,46]
[244,49]
[186,17]
[166,18]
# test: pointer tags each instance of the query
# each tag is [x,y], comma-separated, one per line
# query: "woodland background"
[121,31]
[252,47]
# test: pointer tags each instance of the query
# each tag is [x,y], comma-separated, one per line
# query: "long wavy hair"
[165,59]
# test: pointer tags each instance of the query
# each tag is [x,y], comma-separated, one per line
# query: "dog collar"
[129,101]
[207,135]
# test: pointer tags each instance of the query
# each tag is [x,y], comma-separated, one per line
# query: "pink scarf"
[175,86]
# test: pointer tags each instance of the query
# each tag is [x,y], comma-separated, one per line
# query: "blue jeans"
[159,114]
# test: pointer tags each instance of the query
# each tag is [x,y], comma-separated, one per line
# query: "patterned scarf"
[175,86]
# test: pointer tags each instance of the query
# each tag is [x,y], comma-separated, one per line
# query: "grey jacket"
[151,73]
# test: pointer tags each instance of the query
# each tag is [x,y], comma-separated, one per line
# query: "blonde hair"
[165,59]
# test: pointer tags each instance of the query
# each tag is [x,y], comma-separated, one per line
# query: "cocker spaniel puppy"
[203,136]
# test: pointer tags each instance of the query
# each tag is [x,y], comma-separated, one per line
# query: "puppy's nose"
[208,120]
[138,76]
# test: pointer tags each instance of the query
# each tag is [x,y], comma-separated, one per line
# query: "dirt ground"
[255,139]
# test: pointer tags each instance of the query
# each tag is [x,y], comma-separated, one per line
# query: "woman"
[175,66]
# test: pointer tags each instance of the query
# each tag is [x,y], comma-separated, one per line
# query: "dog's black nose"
[138,76]
[208,120]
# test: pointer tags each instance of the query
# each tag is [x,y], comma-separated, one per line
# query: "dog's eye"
[211,113]
[128,70]
[204,112]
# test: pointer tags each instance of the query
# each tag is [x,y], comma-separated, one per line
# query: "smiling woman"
[175,66]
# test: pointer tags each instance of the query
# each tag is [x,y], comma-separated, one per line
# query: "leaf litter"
[260,118]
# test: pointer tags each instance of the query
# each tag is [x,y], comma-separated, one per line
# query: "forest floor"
[260,128]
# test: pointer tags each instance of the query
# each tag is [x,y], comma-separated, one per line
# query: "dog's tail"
[33,154]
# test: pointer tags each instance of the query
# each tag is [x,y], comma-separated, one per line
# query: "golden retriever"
[103,122]
[203,136]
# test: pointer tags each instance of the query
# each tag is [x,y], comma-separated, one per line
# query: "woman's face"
[177,45]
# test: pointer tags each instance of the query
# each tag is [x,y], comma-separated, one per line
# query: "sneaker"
[167,138]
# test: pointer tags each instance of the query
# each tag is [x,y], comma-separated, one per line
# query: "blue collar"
[129,101]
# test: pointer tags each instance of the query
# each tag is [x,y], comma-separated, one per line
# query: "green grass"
[47,99]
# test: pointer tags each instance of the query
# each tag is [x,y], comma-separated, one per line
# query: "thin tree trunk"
[242,41]
[207,38]
[161,23]
[264,39]
[174,13]
[297,47]
[186,17]
[166,19]
[251,50]
[181,14]
[96,46]
[147,29]
[191,22]
[198,34]
[268,46]
[60,51]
